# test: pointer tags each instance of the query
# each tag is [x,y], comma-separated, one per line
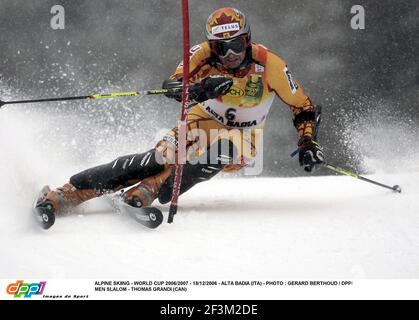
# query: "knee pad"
[217,156]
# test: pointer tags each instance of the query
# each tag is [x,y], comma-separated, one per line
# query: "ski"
[44,216]
[150,217]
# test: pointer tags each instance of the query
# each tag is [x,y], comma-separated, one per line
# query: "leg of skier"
[120,173]
[150,170]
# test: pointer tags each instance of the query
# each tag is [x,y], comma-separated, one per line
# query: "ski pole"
[342,171]
[349,173]
[97,96]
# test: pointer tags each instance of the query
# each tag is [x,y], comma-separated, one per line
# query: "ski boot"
[44,209]
[137,201]
[146,191]
[49,203]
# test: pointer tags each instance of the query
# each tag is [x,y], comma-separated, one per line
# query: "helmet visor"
[224,47]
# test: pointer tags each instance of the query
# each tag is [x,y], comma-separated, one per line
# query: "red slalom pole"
[181,137]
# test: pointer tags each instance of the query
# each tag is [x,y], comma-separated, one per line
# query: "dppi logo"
[26,289]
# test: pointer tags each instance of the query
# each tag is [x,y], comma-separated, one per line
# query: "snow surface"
[254,228]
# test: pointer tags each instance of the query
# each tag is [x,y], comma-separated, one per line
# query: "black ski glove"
[209,88]
[310,153]
[176,87]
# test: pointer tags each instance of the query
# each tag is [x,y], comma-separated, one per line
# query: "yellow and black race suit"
[247,104]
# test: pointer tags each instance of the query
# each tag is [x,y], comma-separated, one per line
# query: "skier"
[233,82]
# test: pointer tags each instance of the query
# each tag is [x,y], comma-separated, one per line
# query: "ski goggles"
[223,48]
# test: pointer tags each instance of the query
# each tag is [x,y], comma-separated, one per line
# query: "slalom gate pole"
[181,136]
[97,96]
[395,188]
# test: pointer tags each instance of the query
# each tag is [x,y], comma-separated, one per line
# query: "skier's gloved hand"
[216,86]
[310,153]
[176,87]
[210,88]
[196,92]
